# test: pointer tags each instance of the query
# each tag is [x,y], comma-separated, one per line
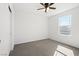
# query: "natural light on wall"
[64,25]
[63,51]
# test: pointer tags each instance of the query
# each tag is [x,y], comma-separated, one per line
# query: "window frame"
[59,26]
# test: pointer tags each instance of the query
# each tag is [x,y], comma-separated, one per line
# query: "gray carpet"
[44,47]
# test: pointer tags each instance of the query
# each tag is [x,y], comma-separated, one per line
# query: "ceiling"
[32,7]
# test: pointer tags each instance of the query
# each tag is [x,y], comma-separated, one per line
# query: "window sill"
[64,35]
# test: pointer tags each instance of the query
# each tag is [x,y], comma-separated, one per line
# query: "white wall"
[12,26]
[29,27]
[53,28]
[4,29]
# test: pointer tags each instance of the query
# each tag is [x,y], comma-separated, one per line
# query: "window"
[65,25]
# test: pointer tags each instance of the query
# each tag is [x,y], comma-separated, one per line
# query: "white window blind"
[65,25]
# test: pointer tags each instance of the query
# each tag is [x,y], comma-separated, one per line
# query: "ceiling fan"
[46,6]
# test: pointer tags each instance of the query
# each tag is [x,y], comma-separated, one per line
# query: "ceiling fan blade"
[51,4]
[42,4]
[40,8]
[52,8]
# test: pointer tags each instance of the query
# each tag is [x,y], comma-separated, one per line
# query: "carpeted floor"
[44,47]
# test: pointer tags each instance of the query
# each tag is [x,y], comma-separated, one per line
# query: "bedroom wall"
[53,28]
[4,29]
[12,26]
[29,27]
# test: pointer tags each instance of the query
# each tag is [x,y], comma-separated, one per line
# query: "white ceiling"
[32,7]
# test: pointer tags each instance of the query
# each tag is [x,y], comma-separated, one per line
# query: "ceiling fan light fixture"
[46,6]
